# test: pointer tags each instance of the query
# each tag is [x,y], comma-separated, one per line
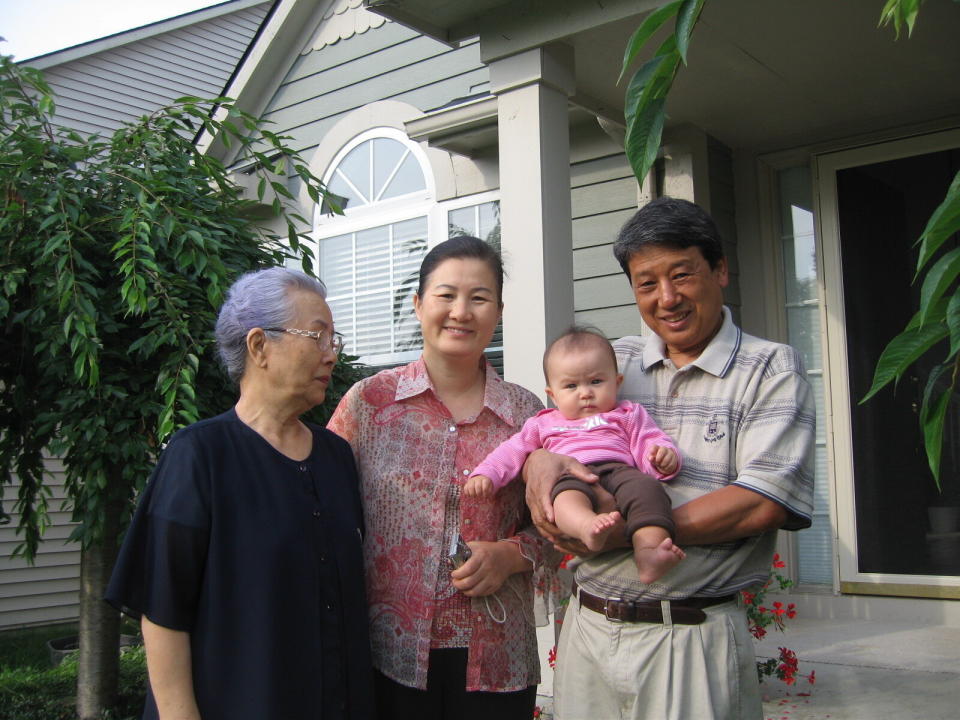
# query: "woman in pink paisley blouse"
[447,643]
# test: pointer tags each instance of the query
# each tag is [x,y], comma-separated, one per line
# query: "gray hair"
[258,299]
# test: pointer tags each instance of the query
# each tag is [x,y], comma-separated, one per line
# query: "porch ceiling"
[761,76]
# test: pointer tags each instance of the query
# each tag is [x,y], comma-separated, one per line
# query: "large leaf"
[686,18]
[939,278]
[643,137]
[953,322]
[933,413]
[944,222]
[901,352]
[648,27]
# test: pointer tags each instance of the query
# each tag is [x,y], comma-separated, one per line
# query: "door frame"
[826,165]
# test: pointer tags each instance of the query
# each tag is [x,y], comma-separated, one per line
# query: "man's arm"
[726,514]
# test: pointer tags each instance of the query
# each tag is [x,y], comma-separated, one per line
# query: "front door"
[874,204]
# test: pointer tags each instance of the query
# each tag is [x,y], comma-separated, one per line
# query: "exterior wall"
[604,195]
[98,91]
[391,62]
[47,591]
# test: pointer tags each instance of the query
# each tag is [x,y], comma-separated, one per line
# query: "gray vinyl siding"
[603,197]
[47,591]
[387,63]
[100,91]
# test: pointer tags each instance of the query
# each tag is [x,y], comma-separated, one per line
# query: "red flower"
[747,596]
[552,657]
[777,562]
[565,560]
[811,678]
[537,711]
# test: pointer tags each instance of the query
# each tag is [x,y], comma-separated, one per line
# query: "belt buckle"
[606,609]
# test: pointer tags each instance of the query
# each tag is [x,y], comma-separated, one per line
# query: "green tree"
[938,318]
[115,254]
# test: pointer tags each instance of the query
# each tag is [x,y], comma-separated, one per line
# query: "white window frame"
[414,205]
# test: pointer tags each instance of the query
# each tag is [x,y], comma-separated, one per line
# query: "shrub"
[50,694]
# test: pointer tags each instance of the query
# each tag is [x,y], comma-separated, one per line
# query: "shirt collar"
[717,357]
[415,380]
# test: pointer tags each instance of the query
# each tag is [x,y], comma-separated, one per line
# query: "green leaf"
[933,413]
[643,138]
[939,278]
[686,19]
[953,323]
[901,352]
[642,34]
[944,222]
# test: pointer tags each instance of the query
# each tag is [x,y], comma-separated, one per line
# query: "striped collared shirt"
[742,414]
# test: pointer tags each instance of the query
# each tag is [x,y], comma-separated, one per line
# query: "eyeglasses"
[325,339]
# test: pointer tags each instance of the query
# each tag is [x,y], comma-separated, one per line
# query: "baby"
[617,441]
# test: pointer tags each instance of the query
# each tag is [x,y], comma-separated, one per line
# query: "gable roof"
[101,84]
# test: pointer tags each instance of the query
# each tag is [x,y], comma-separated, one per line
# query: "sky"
[37,27]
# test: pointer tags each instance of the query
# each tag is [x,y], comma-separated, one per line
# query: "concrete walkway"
[867,669]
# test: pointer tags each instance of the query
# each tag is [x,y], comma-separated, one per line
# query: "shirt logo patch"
[715,430]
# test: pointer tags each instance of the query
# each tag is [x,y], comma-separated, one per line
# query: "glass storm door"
[874,204]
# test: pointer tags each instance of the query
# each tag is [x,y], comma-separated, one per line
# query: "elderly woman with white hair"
[244,559]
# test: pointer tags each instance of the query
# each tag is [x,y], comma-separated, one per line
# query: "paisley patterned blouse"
[413,460]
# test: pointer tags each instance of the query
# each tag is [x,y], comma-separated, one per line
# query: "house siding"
[101,91]
[603,197]
[48,590]
[387,63]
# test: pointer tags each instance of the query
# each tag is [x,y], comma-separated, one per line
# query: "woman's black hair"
[458,248]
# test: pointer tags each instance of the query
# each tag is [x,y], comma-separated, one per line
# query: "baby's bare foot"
[595,531]
[654,561]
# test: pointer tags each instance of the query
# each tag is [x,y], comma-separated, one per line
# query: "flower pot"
[944,519]
[59,648]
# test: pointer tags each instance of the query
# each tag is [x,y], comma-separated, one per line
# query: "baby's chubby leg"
[576,518]
[654,552]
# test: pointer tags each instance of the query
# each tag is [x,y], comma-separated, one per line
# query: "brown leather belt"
[682,612]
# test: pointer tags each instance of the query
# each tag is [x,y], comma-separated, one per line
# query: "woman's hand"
[488,567]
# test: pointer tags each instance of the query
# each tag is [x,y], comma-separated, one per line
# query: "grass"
[27,647]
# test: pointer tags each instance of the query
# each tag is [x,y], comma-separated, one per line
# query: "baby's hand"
[478,486]
[664,459]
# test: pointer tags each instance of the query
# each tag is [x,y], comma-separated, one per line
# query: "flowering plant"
[760,617]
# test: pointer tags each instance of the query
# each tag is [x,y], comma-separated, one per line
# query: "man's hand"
[541,472]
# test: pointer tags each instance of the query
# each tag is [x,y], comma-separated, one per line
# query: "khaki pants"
[609,670]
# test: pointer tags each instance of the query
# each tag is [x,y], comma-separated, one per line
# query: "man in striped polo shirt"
[740,410]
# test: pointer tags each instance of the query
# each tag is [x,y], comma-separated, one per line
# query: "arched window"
[370,255]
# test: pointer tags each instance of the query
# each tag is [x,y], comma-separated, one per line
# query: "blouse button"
[303,468]
[467,521]
[453,428]
[466,472]
[316,514]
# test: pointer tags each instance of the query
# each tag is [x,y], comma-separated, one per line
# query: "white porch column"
[536,236]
